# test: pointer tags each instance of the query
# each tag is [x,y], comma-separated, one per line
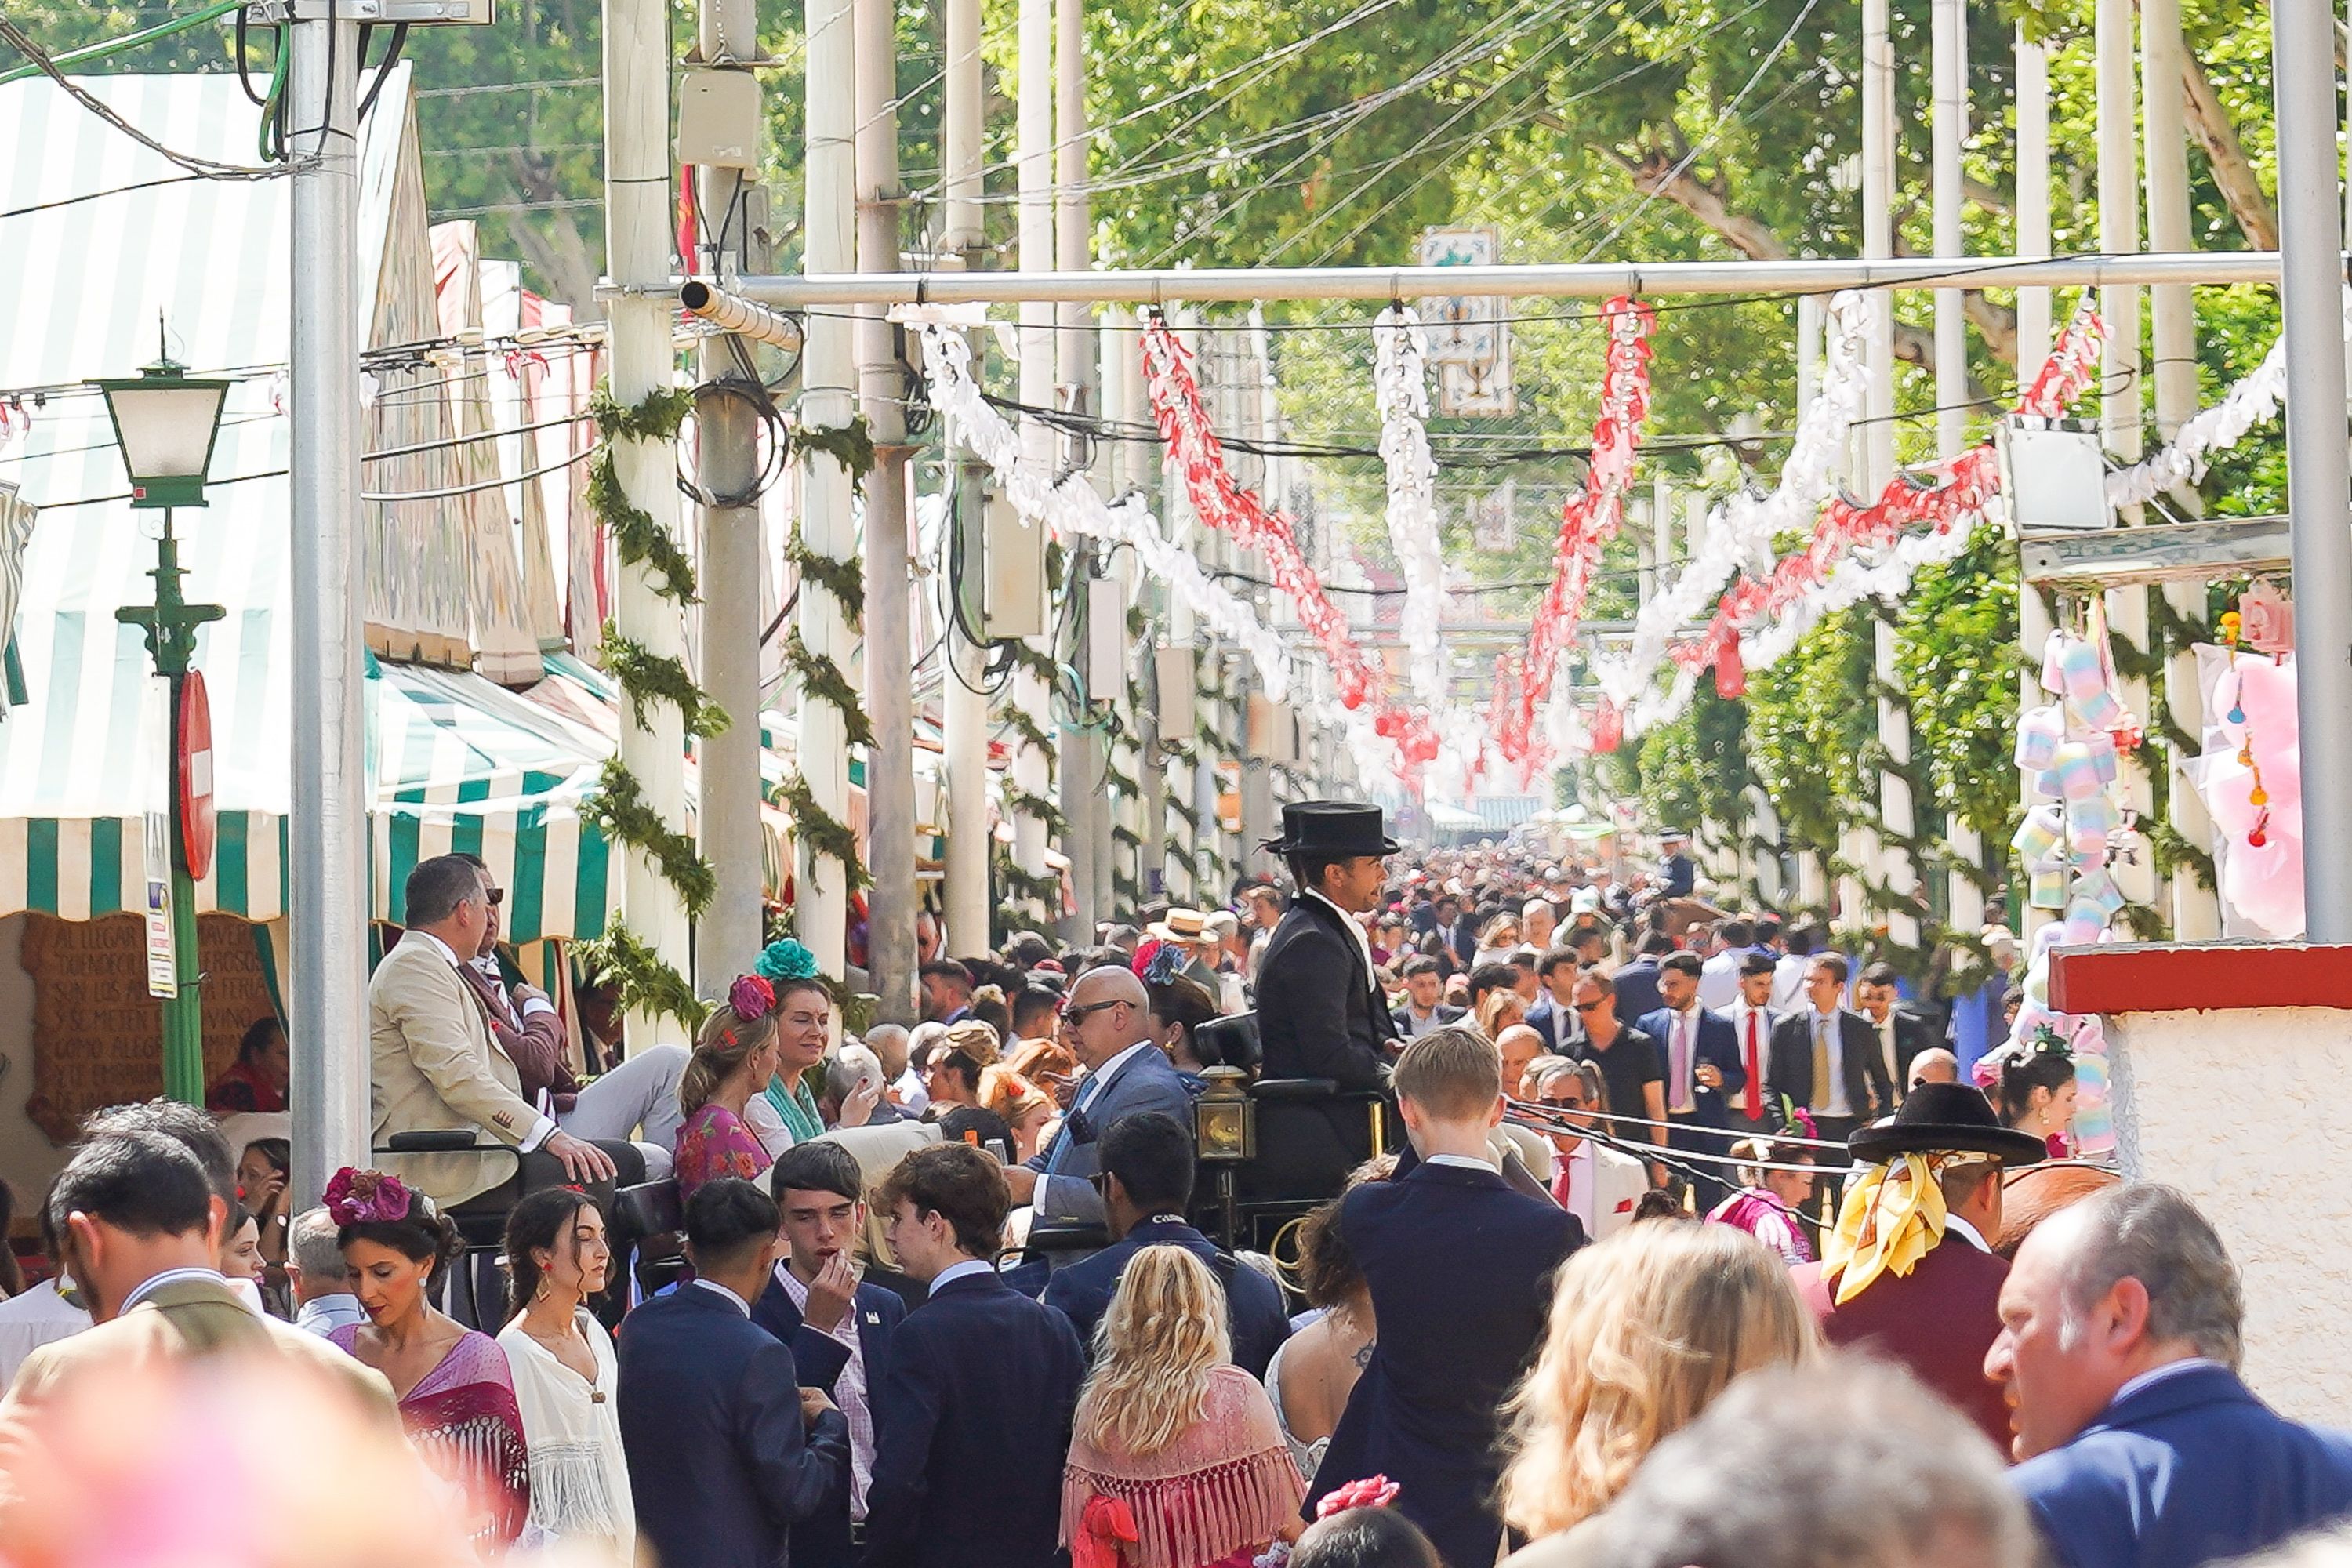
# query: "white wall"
[28,1159]
[2241,1109]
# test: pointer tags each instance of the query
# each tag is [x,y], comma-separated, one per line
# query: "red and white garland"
[1954,491]
[1224,503]
[1588,521]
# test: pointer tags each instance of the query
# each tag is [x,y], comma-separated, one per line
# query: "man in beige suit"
[434,1065]
[136,1226]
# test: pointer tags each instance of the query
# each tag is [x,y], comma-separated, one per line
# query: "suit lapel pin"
[874,1318]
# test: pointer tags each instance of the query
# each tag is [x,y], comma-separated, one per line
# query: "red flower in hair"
[1372,1491]
[751,997]
[365,1197]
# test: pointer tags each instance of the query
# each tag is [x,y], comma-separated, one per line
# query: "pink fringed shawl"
[1226,1484]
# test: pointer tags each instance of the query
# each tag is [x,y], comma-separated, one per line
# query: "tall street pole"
[327,824]
[882,387]
[1034,134]
[2311,240]
[828,402]
[964,708]
[729,936]
[1878,236]
[2032,78]
[1964,899]
[642,297]
[1085,802]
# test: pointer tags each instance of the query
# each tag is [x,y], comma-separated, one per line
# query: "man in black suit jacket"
[972,1421]
[1860,1091]
[838,1326]
[1146,1165]
[726,1451]
[1460,1268]
[1319,1011]
[1902,1033]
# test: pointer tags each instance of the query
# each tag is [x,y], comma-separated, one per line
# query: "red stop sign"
[195,773]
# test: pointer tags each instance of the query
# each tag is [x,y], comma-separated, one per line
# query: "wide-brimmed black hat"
[1944,1118]
[1337,828]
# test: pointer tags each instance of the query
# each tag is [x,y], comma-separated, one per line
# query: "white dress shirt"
[850,1392]
[1739,1013]
[1468,1163]
[712,1285]
[1886,1048]
[955,1271]
[1355,929]
[39,1316]
[1955,1224]
[1719,978]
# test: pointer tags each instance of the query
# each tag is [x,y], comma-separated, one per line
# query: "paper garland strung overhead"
[1073,507]
[1739,532]
[1953,491]
[1591,518]
[1224,503]
[1400,387]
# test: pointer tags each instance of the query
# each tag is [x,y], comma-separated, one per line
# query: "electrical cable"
[383,70]
[477,488]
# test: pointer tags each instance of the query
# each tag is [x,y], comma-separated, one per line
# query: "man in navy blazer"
[1147,1180]
[972,1418]
[726,1451]
[2121,1331]
[1703,1066]
[1107,1024]
[1460,1268]
[838,1326]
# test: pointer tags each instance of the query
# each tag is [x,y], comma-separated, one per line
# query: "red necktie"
[1754,1104]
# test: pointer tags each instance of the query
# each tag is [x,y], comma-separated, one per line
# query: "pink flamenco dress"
[1209,1499]
[714,1143]
[1769,1220]
[467,1428]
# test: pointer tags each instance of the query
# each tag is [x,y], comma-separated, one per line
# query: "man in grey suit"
[1106,1022]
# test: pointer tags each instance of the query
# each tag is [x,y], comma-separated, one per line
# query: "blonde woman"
[735,1056]
[1646,1329]
[1176,1461]
[1499,1010]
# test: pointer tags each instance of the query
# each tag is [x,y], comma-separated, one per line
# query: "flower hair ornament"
[1372,1491]
[785,959]
[369,1198]
[751,998]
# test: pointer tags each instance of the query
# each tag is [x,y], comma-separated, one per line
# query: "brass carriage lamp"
[1224,1118]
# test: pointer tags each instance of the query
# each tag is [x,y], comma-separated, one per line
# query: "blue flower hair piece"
[785,959]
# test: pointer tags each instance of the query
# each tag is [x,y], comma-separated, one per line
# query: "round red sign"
[195,771]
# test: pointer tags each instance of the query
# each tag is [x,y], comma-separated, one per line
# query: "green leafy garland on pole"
[648,983]
[820,680]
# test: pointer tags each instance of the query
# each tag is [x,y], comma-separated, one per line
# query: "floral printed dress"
[715,1143]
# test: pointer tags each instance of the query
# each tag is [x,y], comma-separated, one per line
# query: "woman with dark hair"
[735,1058]
[456,1392]
[256,1080]
[2036,1090]
[261,1174]
[788,1113]
[1316,1369]
[565,1374]
[1180,1005]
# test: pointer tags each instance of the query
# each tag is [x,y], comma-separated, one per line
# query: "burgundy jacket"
[1937,1321]
[535,1045]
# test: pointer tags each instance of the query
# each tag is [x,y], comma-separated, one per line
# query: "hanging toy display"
[2251,773]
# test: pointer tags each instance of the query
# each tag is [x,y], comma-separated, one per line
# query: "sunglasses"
[1590,1006]
[494,897]
[1569,1104]
[1078,1015]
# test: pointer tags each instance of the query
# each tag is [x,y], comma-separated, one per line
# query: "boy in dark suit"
[1460,1268]
[838,1327]
[973,1419]
[1703,1068]
[727,1452]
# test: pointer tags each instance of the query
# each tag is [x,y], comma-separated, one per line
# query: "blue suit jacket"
[971,1426]
[822,1541]
[1146,1081]
[2187,1470]
[1555,1023]
[720,1461]
[1460,1268]
[1636,985]
[1718,1046]
[1253,1305]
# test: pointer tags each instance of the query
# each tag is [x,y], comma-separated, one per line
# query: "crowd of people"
[1700,1243]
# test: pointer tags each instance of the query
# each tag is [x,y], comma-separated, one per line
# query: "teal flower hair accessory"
[785,959]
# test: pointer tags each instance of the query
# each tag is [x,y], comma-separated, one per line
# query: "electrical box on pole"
[1172,667]
[2055,476]
[1106,642]
[1012,572]
[718,118]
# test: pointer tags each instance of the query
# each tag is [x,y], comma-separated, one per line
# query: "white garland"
[1074,507]
[2256,398]
[1739,532]
[1400,386]
[1852,580]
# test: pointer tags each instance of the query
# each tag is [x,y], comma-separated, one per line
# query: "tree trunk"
[559,250]
[2233,171]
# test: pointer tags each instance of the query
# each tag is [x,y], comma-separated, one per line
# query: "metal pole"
[2032,196]
[828,402]
[964,709]
[730,935]
[2311,241]
[1951,69]
[1084,803]
[890,637]
[2196,911]
[1878,236]
[327,819]
[1034,131]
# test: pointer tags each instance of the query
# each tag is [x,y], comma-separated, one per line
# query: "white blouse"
[578,1476]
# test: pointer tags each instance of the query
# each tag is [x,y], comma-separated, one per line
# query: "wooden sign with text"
[97,1036]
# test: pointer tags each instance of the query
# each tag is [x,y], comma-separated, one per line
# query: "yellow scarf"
[1893,1217]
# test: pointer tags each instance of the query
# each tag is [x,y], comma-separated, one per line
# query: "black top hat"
[1334,828]
[1945,1118]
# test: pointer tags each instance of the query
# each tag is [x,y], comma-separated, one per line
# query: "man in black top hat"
[1319,1010]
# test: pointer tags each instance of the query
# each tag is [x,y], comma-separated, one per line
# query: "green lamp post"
[165,421]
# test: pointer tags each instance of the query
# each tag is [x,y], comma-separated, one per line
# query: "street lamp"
[166,421]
